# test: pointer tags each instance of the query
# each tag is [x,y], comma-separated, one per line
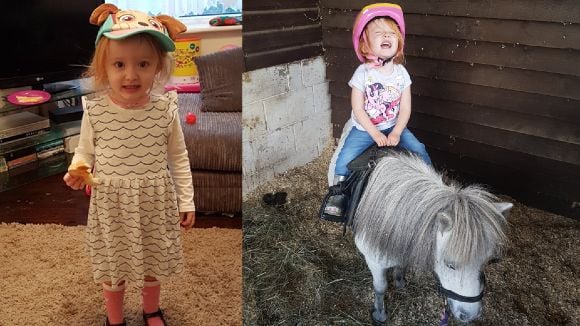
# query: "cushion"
[220,77]
[214,141]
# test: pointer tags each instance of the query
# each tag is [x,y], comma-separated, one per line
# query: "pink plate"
[31,97]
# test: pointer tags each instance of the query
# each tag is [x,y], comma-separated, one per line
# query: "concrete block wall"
[285,118]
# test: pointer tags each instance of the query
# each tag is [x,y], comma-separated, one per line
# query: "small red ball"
[190,118]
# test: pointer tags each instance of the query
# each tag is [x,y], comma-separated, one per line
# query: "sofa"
[214,141]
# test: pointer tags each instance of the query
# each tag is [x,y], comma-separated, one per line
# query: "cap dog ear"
[101,13]
[173,26]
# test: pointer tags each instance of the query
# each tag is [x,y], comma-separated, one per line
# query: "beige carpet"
[45,279]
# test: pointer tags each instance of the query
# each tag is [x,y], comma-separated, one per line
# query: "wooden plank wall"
[496,90]
[280,31]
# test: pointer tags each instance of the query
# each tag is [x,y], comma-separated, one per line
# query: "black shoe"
[158,313]
[334,209]
[109,324]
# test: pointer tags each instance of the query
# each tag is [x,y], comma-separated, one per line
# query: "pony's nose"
[464,316]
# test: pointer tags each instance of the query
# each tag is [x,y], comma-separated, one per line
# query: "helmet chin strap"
[378,61]
[383,62]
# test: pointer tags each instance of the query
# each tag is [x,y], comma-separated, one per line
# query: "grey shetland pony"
[408,217]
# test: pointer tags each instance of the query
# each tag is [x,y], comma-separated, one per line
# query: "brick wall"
[285,118]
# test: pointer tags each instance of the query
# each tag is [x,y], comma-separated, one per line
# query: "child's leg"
[355,144]
[114,302]
[409,142]
[151,292]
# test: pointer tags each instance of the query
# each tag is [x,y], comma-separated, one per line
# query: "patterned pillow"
[220,77]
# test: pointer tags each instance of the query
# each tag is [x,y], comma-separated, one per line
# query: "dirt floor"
[302,271]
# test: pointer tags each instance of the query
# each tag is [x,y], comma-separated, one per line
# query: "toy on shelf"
[225,21]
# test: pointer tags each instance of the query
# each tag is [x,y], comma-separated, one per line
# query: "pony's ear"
[503,207]
[445,222]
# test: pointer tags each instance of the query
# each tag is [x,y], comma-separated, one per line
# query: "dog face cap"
[125,23]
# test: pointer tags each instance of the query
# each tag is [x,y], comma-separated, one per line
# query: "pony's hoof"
[377,320]
[400,283]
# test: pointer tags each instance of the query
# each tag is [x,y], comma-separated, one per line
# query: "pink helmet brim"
[370,12]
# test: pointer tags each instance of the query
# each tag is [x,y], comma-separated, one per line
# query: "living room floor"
[50,201]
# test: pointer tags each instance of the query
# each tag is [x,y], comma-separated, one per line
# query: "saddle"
[353,187]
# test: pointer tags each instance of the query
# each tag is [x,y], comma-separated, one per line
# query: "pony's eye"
[449,265]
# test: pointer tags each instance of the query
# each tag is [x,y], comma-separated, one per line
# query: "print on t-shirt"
[381,104]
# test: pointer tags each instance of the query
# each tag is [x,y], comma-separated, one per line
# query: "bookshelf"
[40,154]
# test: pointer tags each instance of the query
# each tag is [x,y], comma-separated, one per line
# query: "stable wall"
[281,31]
[285,118]
[286,105]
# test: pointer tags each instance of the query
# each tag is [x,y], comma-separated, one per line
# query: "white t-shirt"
[382,94]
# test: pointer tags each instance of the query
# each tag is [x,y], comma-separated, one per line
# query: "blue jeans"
[358,141]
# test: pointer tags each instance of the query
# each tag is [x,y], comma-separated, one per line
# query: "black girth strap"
[358,186]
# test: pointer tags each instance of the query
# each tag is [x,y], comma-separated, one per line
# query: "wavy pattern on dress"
[115,120]
[118,174]
[130,147]
[139,163]
[123,242]
[145,183]
[117,137]
[134,260]
[95,114]
[125,128]
[150,249]
[128,201]
[115,156]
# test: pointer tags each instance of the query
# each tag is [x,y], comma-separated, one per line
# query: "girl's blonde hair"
[364,48]
[98,73]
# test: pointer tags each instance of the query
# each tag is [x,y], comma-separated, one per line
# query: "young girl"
[132,141]
[381,93]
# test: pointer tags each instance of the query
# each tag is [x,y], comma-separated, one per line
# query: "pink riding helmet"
[372,11]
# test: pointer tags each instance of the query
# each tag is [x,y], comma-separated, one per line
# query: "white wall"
[285,119]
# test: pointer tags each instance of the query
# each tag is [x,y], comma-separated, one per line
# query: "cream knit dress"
[140,159]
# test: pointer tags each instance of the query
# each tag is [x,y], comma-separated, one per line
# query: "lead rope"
[444,315]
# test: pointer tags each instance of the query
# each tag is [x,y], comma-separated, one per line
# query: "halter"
[458,297]
[448,294]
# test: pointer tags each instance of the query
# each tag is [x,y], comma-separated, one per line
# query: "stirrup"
[158,313]
[326,214]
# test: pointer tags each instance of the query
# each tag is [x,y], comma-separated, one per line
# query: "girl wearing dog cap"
[380,96]
[132,141]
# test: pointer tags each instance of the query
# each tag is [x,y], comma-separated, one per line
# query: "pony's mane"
[397,215]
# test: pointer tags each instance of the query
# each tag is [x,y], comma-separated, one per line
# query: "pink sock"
[114,302]
[151,292]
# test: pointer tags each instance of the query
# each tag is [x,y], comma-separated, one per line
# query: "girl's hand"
[393,139]
[380,139]
[187,219]
[76,183]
